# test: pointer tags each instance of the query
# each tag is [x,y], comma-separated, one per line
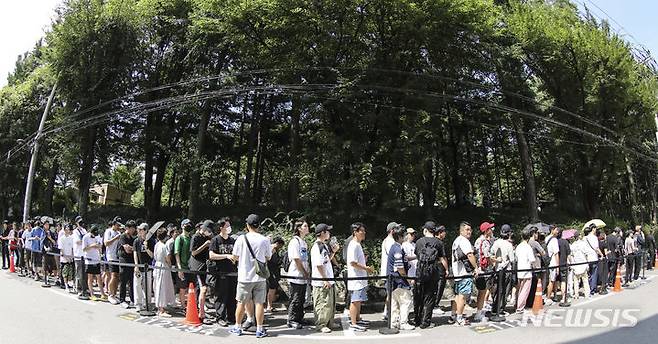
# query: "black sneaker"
[565,304]
[222,323]
[247,325]
[424,326]
[295,325]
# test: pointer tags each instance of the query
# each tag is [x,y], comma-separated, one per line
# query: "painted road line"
[366,337]
[74,297]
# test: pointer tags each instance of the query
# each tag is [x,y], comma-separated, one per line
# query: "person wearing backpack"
[252,251]
[432,265]
[484,283]
[299,267]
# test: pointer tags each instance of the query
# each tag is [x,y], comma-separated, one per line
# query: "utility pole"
[35,154]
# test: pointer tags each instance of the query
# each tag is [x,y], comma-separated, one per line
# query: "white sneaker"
[407,327]
[325,330]
[548,302]
[113,300]
[438,312]
[479,317]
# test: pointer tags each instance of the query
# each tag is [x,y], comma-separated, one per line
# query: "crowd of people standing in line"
[243,272]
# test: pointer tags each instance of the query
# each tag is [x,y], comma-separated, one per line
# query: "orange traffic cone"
[538,303]
[617,287]
[191,313]
[12,267]
[655,264]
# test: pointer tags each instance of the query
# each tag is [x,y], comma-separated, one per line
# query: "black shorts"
[93,269]
[50,264]
[481,283]
[201,279]
[187,279]
[36,259]
[272,282]
[113,268]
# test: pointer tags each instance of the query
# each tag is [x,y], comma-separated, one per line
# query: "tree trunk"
[251,141]
[528,173]
[88,155]
[156,199]
[238,161]
[50,188]
[149,151]
[195,170]
[172,187]
[428,188]
[295,149]
[631,190]
[457,184]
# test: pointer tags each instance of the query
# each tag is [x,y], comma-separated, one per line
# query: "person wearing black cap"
[125,255]
[503,250]
[324,295]
[222,264]
[298,257]
[440,234]
[200,248]
[431,263]
[251,251]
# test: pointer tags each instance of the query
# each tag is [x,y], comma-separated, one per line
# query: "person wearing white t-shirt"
[251,286]
[324,295]
[387,243]
[593,255]
[80,268]
[111,241]
[91,247]
[298,257]
[65,245]
[525,258]
[462,254]
[579,253]
[356,267]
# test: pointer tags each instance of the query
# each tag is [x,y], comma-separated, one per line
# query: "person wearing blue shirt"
[38,235]
[401,290]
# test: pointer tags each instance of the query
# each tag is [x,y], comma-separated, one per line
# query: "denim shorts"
[360,295]
[464,286]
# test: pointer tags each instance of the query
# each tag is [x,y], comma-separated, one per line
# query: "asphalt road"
[31,314]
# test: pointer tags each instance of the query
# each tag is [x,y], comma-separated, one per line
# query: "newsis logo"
[583,317]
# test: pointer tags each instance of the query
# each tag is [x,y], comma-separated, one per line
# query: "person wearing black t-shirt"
[143,254]
[125,255]
[200,248]
[221,254]
[431,255]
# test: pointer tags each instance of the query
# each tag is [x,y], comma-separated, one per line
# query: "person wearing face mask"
[200,248]
[221,264]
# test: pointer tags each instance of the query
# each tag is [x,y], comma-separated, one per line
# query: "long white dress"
[164,285]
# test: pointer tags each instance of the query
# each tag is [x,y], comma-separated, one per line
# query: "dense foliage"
[340,109]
